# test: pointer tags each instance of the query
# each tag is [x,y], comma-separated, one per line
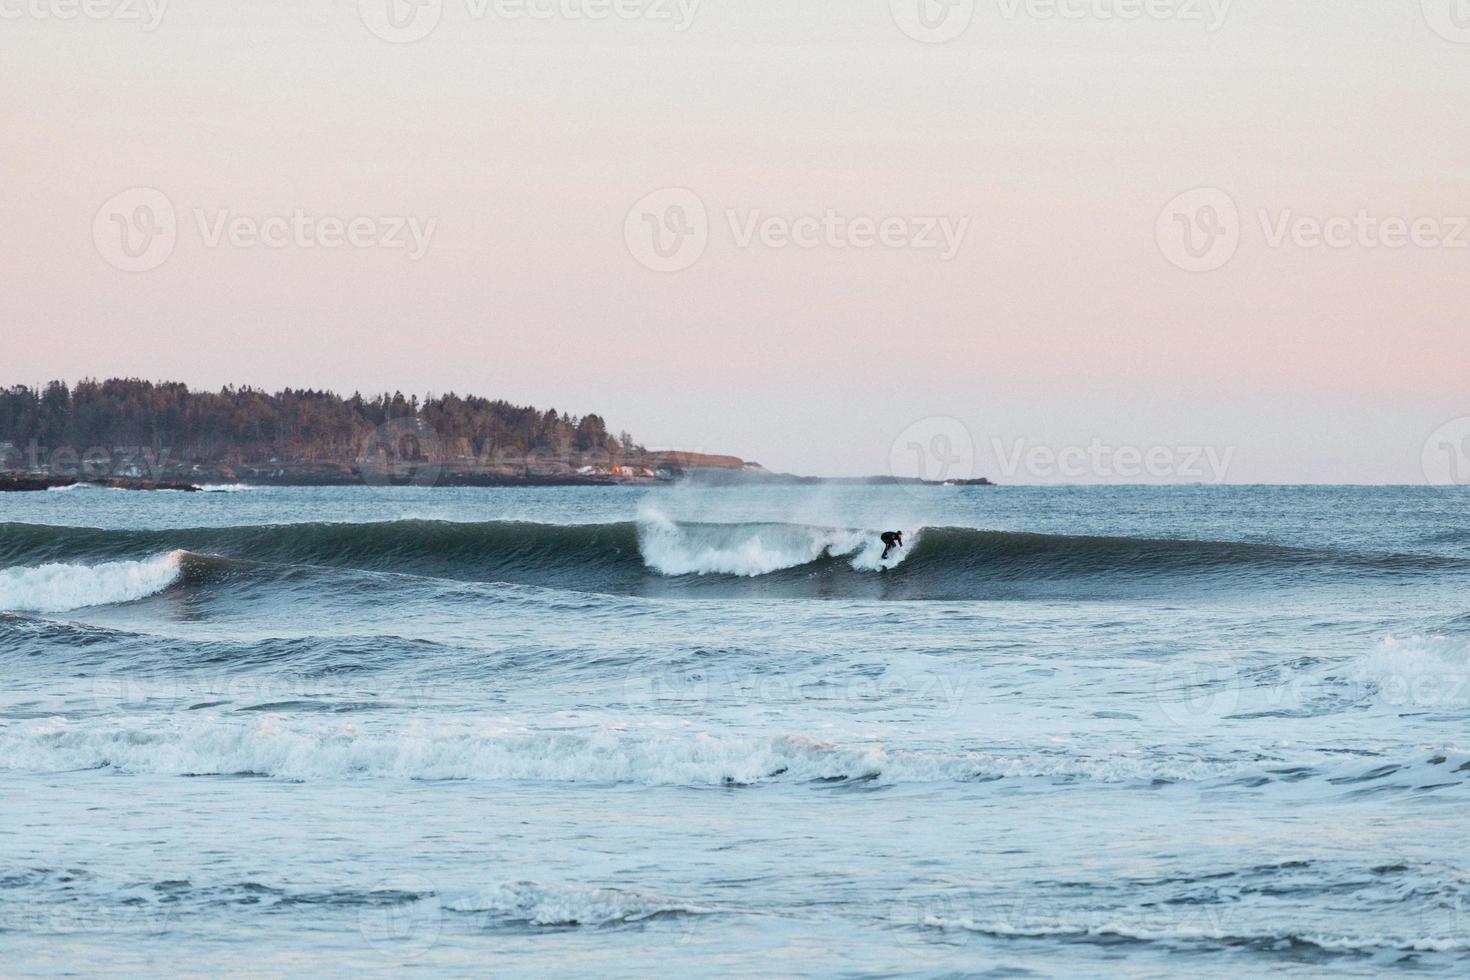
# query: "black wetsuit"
[891,540]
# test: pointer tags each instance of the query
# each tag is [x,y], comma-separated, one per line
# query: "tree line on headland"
[301,435]
[246,423]
[143,435]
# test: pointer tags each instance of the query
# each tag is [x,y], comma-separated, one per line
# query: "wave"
[1199,929]
[57,588]
[213,746]
[1419,672]
[664,558]
[540,904]
[533,903]
[74,487]
[291,745]
[752,550]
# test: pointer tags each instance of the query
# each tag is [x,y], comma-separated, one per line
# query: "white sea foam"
[1417,671]
[302,749]
[1200,926]
[61,588]
[97,486]
[569,905]
[295,750]
[751,550]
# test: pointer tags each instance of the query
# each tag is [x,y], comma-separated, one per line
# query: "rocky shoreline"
[155,471]
[27,482]
[32,482]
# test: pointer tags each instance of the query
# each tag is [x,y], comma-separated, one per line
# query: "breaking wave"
[658,557]
[260,741]
[1423,672]
[74,487]
[56,588]
[751,550]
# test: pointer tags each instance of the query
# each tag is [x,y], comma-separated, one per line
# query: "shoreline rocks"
[34,483]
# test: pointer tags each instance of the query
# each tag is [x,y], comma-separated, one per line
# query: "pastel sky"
[1057,143]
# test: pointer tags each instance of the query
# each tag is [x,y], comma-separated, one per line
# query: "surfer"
[891,540]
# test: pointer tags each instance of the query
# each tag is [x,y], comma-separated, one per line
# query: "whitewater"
[1147,732]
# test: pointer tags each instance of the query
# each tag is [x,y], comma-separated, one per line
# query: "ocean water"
[1138,732]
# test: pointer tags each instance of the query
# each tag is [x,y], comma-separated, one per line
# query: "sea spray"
[1419,672]
[748,550]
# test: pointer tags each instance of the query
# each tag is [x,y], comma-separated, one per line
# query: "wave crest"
[659,557]
[1421,672]
[752,550]
[58,588]
[274,744]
